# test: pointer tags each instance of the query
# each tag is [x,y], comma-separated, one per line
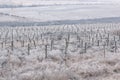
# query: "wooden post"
[66,45]
[115,46]
[28,49]
[98,42]
[34,43]
[46,52]
[85,47]
[41,36]
[52,42]
[68,37]
[2,44]
[12,43]
[108,39]
[104,50]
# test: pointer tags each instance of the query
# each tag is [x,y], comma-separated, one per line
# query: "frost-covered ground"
[23,52]
[64,52]
[89,66]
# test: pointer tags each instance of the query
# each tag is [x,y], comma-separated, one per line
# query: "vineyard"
[60,52]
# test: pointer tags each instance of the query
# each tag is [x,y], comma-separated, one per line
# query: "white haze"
[51,2]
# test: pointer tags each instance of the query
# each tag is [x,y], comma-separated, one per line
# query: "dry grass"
[76,67]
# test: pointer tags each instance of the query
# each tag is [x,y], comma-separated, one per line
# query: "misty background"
[40,12]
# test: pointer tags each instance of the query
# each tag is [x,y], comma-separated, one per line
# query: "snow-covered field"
[65,52]
[64,12]
[59,52]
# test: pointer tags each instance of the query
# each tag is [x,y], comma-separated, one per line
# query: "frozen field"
[63,12]
[65,52]
[59,40]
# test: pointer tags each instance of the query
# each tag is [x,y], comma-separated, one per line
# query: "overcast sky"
[29,2]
